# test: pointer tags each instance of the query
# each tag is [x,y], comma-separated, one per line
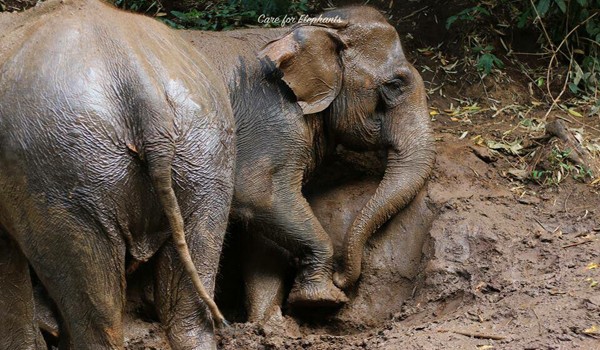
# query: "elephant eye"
[391,91]
[395,83]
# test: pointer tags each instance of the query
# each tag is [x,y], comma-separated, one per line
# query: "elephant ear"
[309,58]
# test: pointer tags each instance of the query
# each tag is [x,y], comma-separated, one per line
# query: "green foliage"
[571,30]
[486,60]
[560,167]
[222,16]
[218,15]
[468,14]
[143,6]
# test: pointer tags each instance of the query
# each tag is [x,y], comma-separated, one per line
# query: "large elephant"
[115,134]
[299,92]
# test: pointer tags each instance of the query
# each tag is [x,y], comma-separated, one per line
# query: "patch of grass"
[558,168]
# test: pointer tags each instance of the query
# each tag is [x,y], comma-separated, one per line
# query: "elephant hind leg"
[265,267]
[18,329]
[206,200]
[185,318]
[83,269]
[160,165]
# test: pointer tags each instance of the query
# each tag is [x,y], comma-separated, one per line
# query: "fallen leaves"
[513,147]
[593,282]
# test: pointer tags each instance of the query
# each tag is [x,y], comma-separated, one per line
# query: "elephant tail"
[160,170]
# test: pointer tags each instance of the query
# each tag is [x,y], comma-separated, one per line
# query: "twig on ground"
[576,244]
[538,321]
[564,87]
[413,13]
[473,334]
[578,121]
[544,227]
[563,118]
[567,199]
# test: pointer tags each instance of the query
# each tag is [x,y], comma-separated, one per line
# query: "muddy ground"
[502,267]
[485,258]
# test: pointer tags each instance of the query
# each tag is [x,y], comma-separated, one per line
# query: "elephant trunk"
[407,133]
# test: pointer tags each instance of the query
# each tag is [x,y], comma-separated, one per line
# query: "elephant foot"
[316,294]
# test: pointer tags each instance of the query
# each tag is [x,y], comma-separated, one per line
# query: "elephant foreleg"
[295,228]
[18,329]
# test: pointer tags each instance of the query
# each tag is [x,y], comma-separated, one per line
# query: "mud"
[493,269]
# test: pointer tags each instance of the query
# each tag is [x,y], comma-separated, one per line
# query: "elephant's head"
[355,75]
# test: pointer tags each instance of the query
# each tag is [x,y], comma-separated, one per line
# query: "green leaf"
[485,63]
[582,3]
[523,18]
[561,4]
[497,61]
[450,20]
[573,87]
[542,7]
[481,10]
[179,15]
[170,23]
[477,49]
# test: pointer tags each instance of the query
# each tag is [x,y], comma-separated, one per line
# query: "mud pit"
[470,264]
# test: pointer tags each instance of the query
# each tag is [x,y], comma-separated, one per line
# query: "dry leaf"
[574,113]
[592,330]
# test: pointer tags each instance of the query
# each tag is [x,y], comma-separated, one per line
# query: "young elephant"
[297,93]
[114,133]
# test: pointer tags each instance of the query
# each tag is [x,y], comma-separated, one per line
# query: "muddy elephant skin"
[114,135]
[299,92]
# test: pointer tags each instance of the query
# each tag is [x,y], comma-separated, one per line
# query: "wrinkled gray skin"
[310,89]
[114,132]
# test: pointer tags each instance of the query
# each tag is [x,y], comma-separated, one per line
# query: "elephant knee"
[249,205]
